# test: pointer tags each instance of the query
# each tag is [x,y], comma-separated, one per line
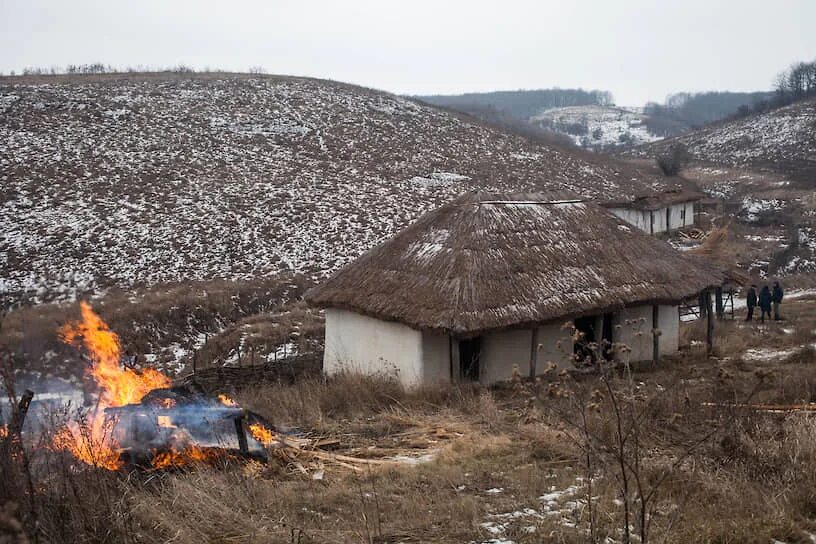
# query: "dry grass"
[751,480]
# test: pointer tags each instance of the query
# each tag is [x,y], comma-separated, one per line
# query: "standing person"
[776,297]
[751,302]
[765,300]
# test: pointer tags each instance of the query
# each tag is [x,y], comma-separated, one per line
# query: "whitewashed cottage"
[487,282]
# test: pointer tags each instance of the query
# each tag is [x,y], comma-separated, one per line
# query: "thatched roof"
[493,261]
[654,199]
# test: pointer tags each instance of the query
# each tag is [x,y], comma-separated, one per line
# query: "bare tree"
[673,160]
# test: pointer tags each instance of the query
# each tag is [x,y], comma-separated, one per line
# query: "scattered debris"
[693,234]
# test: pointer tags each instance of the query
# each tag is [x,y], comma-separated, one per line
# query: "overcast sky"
[640,50]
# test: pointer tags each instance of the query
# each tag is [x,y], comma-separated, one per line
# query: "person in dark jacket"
[765,300]
[751,302]
[776,298]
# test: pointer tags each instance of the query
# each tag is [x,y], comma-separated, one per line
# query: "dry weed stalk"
[606,421]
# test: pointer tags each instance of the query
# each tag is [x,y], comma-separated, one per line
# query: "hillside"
[782,140]
[597,127]
[123,180]
[590,120]
[520,104]
[695,109]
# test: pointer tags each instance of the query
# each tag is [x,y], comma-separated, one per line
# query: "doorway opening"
[470,354]
[606,338]
[584,349]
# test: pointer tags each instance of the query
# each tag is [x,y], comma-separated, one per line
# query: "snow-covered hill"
[597,127]
[124,180]
[783,140]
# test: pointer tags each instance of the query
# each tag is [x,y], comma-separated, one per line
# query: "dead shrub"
[259,338]
[674,159]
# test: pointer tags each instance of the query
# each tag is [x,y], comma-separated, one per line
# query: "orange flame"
[165,421]
[90,441]
[3,431]
[226,401]
[191,455]
[118,386]
[261,434]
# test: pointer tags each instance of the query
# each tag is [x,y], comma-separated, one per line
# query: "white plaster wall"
[359,343]
[638,218]
[677,220]
[639,320]
[690,213]
[633,327]
[642,218]
[668,321]
[502,350]
[363,344]
[437,358]
[556,346]
[659,220]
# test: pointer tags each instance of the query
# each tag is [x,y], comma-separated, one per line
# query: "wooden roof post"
[655,334]
[456,371]
[709,323]
[533,352]
[718,303]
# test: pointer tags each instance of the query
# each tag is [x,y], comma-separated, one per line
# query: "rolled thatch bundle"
[718,250]
[491,261]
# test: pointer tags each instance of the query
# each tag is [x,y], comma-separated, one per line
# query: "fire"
[178,458]
[90,441]
[167,403]
[261,434]
[3,431]
[226,401]
[119,386]
[165,421]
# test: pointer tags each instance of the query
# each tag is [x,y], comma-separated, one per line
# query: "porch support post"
[709,323]
[655,334]
[533,352]
[718,303]
[455,371]
[450,358]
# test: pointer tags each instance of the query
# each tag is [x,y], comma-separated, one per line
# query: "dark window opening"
[668,218]
[585,347]
[470,352]
[606,338]
[593,343]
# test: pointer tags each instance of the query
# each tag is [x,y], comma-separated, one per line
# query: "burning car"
[141,420]
[175,426]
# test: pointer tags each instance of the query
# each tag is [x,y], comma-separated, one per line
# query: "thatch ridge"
[492,261]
